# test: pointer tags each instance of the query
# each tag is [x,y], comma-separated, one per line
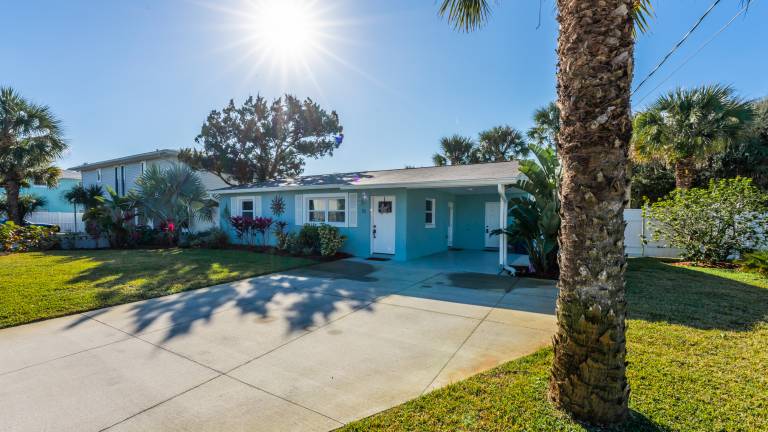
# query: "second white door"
[491,223]
[383,224]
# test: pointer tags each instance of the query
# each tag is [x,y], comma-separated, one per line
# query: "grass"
[35,286]
[697,362]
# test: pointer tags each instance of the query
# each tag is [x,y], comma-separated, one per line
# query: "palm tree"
[595,52]
[501,143]
[88,197]
[546,125]
[174,194]
[27,204]
[456,150]
[684,127]
[30,140]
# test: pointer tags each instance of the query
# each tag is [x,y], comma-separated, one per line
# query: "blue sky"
[132,76]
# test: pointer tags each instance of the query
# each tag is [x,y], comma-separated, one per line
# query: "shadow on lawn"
[657,291]
[299,302]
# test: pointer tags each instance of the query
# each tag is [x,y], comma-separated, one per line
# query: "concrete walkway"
[309,349]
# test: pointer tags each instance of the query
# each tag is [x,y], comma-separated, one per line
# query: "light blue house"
[54,196]
[402,214]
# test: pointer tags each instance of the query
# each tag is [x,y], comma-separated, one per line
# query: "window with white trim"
[247,208]
[429,213]
[98,175]
[330,209]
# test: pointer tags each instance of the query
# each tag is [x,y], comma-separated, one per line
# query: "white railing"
[67,221]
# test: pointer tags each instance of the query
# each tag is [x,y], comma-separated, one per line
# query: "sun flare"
[286,30]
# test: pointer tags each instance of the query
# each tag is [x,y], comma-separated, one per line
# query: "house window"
[143,167]
[330,209]
[246,208]
[98,175]
[429,213]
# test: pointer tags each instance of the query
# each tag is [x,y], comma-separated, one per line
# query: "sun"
[286,28]
[286,32]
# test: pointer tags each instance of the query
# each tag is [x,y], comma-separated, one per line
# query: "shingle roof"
[157,154]
[454,175]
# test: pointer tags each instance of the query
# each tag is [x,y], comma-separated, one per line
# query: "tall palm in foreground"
[595,51]
[30,140]
[174,194]
[456,150]
[685,126]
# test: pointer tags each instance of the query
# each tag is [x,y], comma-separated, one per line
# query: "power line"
[678,45]
[698,50]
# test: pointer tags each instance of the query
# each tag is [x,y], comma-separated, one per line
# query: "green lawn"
[697,357]
[35,286]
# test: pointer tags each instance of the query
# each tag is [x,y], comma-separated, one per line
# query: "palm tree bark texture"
[595,49]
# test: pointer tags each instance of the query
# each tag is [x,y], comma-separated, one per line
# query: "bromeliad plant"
[536,215]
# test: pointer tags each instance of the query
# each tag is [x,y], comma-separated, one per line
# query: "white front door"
[450,224]
[383,224]
[491,223]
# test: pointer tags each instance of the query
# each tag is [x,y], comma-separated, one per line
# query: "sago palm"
[685,126]
[30,140]
[595,51]
[456,150]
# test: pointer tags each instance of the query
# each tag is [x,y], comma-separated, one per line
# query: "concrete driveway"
[309,349]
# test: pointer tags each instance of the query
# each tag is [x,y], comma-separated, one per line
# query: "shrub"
[214,238]
[331,240]
[308,239]
[755,262]
[281,235]
[14,238]
[262,225]
[710,224]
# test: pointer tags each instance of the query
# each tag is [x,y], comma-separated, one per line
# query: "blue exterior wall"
[358,241]
[54,196]
[469,220]
[420,239]
[412,238]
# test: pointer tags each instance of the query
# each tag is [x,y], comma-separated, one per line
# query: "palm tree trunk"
[595,49]
[12,191]
[684,173]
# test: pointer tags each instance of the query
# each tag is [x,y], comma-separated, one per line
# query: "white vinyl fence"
[67,221]
[637,228]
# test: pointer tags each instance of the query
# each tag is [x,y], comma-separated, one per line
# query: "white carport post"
[502,225]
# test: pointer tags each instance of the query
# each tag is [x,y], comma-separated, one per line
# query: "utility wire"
[677,45]
[698,50]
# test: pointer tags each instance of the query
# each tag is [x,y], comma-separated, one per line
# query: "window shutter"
[257,206]
[299,209]
[235,204]
[352,210]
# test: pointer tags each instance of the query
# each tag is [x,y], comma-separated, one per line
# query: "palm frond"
[466,15]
